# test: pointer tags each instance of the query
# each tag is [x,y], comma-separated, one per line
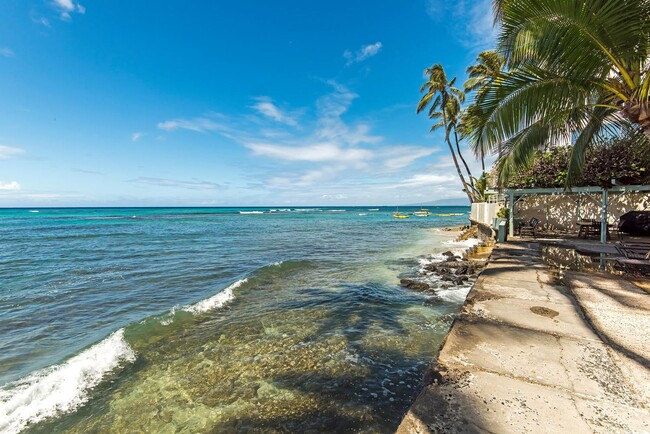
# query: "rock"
[459,280]
[447,278]
[451,259]
[448,254]
[461,270]
[414,285]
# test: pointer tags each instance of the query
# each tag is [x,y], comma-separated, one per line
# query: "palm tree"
[578,74]
[443,98]
[488,67]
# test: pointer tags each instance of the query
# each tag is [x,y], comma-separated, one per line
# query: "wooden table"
[590,228]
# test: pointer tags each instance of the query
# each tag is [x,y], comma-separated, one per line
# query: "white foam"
[251,212]
[33,210]
[61,388]
[217,300]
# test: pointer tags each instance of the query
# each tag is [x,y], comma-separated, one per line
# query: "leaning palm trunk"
[466,188]
[469,173]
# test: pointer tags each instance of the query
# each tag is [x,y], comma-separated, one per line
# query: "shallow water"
[195,320]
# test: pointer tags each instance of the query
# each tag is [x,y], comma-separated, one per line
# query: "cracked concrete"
[530,353]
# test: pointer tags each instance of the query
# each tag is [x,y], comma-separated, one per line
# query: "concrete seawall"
[529,353]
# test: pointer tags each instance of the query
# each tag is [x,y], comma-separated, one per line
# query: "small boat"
[251,212]
[444,215]
[424,212]
[373,209]
[399,215]
[451,214]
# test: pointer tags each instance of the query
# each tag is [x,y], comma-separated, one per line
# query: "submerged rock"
[414,285]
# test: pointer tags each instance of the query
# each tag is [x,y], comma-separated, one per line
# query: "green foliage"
[503,213]
[577,72]
[626,160]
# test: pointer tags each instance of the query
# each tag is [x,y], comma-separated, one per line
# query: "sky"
[240,103]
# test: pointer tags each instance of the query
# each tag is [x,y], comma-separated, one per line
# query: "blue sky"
[227,103]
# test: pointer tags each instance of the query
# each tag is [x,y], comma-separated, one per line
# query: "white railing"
[484,212]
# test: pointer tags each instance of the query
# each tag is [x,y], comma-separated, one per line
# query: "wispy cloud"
[473,21]
[87,172]
[318,152]
[68,7]
[399,157]
[6,52]
[328,152]
[7,152]
[266,107]
[200,125]
[9,186]
[165,182]
[136,136]
[362,53]
[428,180]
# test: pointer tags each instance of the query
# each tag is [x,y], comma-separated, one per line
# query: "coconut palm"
[489,66]
[578,74]
[442,97]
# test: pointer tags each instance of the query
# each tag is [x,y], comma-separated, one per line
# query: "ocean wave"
[61,388]
[217,300]
[251,212]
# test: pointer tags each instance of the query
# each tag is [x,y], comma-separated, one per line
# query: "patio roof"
[514,195]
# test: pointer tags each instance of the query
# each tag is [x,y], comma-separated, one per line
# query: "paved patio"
[536,352]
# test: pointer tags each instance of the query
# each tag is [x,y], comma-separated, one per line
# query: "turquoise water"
[207,319]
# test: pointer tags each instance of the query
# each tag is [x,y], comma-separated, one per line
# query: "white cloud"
[471,21]
[136,136]
[266,107]
[399,157]
[6,52]
[318,152]
[67,7]
[200,125]
[7,152]
[9,186]
[429,180]
[42,21]
[362,53]
[165,182]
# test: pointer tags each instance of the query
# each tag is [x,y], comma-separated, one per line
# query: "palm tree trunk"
[453,156]
[471,181]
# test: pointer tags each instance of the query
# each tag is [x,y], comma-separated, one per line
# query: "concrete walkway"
[530,353]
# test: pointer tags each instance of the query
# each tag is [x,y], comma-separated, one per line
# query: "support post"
[511,229]
[603,223]
[579,206]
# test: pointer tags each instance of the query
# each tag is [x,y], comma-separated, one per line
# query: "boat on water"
[251,212]
[399,215]
[423,212]
[450,214]
[373,209]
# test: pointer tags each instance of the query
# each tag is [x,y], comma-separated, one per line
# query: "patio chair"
[529,228]
[636,259]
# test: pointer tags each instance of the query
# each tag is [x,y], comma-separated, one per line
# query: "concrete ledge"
[524,355]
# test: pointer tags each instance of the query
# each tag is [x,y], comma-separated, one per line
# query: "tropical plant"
[578,75]
[444,100]
[489,66]
[625,160]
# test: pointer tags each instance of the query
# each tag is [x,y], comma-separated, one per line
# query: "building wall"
[560,212]
[484,212]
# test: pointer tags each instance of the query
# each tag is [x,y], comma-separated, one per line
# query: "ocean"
[217,319]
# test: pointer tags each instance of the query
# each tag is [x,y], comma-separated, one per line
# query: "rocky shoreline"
[450,269]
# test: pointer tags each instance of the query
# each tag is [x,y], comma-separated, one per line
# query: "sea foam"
[217,300]
[61,388]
